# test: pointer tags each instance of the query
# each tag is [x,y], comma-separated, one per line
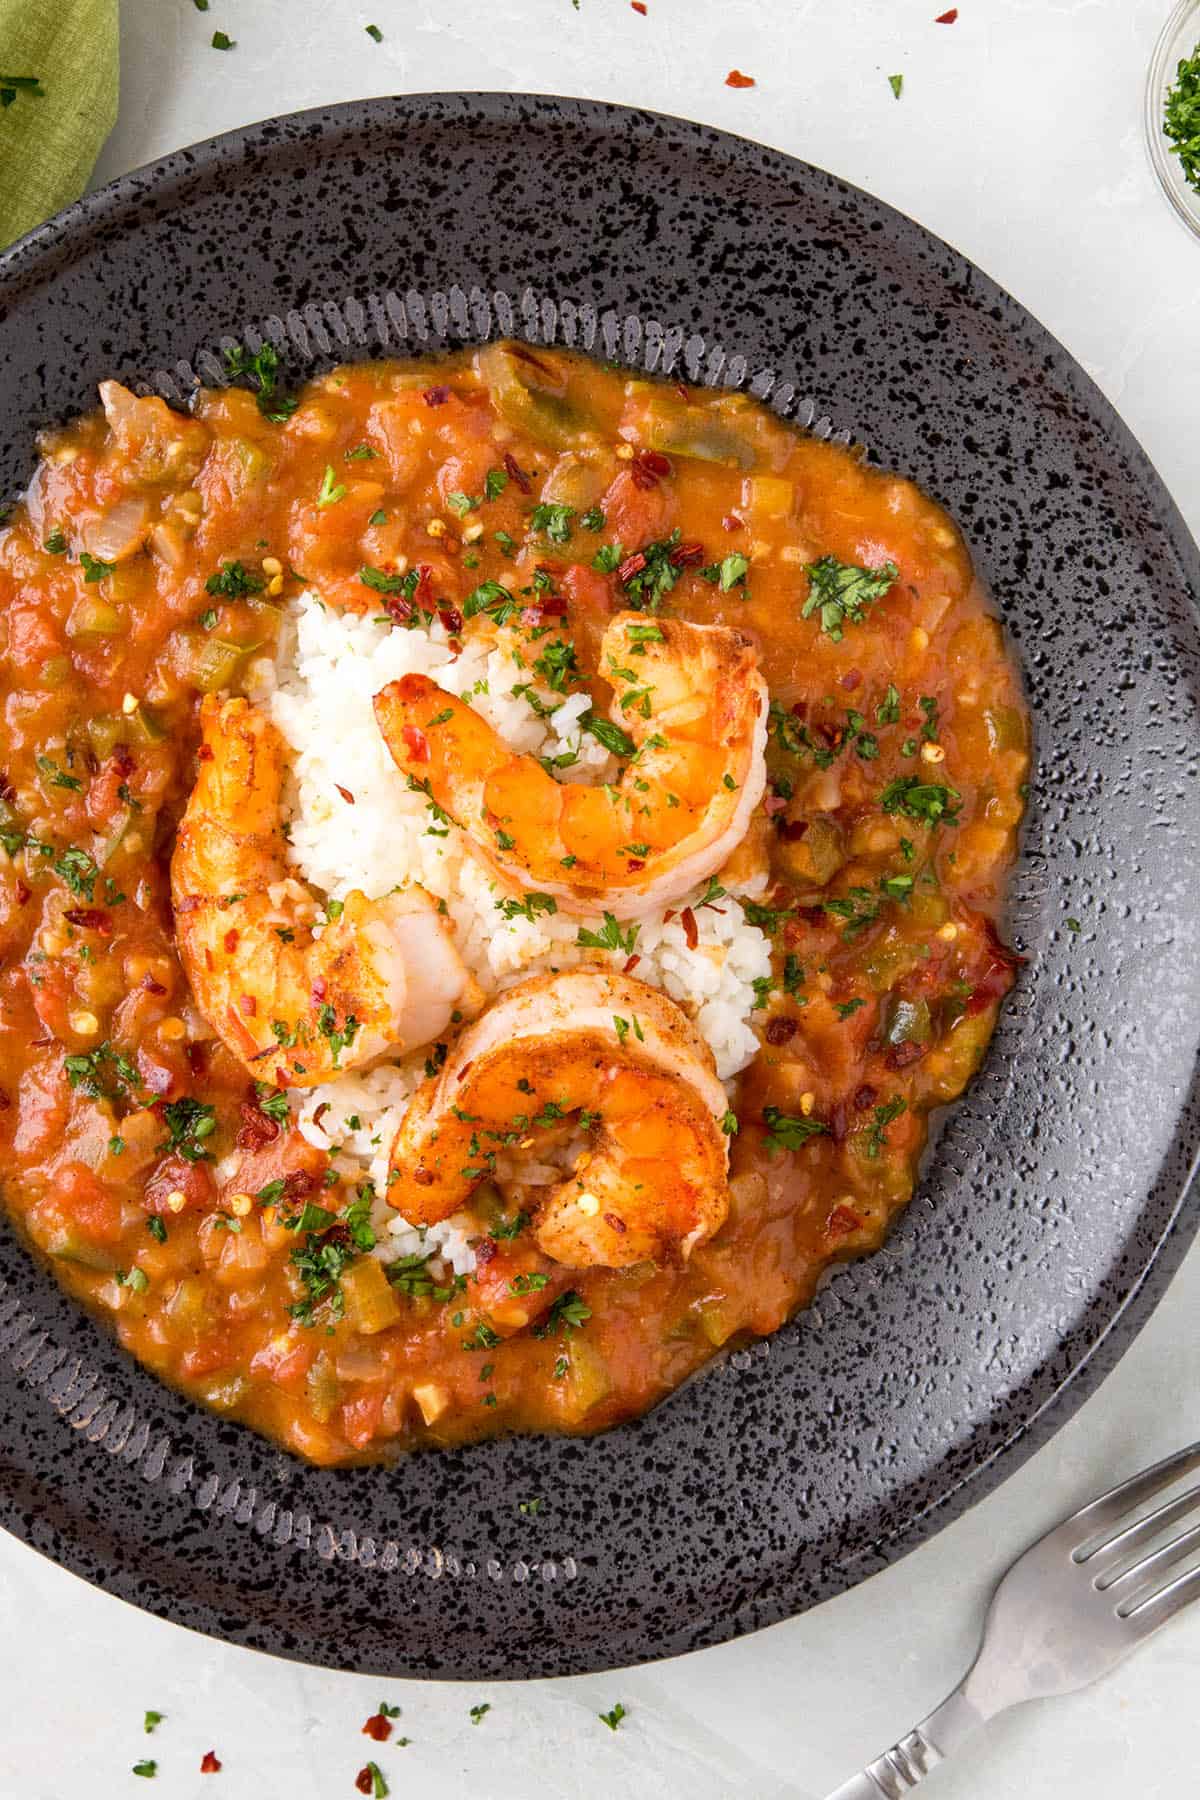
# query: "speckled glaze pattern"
[1055,1205]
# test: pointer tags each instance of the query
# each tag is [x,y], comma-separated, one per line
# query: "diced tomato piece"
[636,515]
[286,1360]
[360,1418]
[87,1204]
[175,1176]
[209,1354]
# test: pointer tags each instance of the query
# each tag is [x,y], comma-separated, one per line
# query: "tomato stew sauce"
[151,563]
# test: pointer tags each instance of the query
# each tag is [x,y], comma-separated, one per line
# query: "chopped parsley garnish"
[613,1719]
[593,519]
[157,1228]
[569,1313]
[233,582]
[272,1101]
[790,1131]
[461,504]
[529,907]
[492,598]
[557,665]
[877,1136]
[858,906]
[842,591]
[93,568]
[494,484]
[608,559]
[927,801]
[1181,117]
[554,521]
[378,1789]
[509,1228]
[263,369]
[56,543]
[729,1123]
[87,1069]
[621,1027]
[189,1122]
[610,938]
[605,732]
[222,41]
[896,887]
[482,1338]
[846,1007]
[152,1719]
[532,1283]
[55,777]
[208,618]
[648,583]
[147,1768]
[727,573]
[135,1278]
[331,489]
[340,1037]
[888,710]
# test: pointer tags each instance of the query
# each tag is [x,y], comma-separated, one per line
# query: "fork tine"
[1149,1614]
[1137,1583]
[1110,1508]
[1112,1550]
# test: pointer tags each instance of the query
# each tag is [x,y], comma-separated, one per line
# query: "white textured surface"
[1019,140]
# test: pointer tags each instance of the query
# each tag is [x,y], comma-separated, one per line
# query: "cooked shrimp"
[690,713]
[294,1007]
[629,1067]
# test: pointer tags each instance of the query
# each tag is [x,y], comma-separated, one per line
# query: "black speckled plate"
[1053,1210]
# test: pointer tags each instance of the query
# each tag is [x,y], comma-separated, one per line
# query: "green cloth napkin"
[49,144]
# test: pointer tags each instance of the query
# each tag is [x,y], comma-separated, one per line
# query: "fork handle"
[899,1769]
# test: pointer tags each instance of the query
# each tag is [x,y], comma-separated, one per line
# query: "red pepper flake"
[378,1727]
[515,472]
[684,393]
[779,1030]
[364,1781]
[865,1097]
[736,79]
[731,522]
[189,904]
[631,963]
[123,760]
[485,1250]
[648,468]
[319,990]
[793,831]
[204,753]
[230,940]
[668,916]
[639,6]
[773,804]
[841,1222]
[691,930]
[436,396]
[684,556]
[210,1763]
[615,1223]
[851,679]
[901,1055]
[248,1006]
[422,1176]
[347,796]
[451,619]
[150,986]
[636,864]
[23,894]
[633,565]
[947,18]
[416,743]
[88,918]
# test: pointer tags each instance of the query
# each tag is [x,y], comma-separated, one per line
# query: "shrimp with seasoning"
[622,1061]
[689,717]
[294,1007]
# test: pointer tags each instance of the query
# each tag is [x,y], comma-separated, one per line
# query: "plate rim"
[107,205]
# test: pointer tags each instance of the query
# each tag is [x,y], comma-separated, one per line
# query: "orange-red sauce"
[897,759]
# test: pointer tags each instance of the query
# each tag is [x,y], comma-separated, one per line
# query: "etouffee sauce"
[152,561]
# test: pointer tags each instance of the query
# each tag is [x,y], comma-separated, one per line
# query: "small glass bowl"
[1177,42]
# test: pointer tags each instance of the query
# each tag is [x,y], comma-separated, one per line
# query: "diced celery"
[906,1021]
[67,1243]
[532,397]
[324,1390]
[587,1380]
[1005,728]
[372,1304]
[92,617]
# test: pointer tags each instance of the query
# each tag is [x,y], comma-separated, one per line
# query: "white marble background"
[1019,139]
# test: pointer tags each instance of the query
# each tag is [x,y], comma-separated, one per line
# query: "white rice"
[329,668]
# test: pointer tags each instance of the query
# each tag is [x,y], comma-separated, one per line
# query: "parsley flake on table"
[613,1719]
[222,41]
[477,1712]
[373,31]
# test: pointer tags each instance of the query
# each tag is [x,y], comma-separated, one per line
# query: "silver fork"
[1067,1612]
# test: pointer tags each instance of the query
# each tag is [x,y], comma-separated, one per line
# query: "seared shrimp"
[690,713]
[293,1007]
[621,1059]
